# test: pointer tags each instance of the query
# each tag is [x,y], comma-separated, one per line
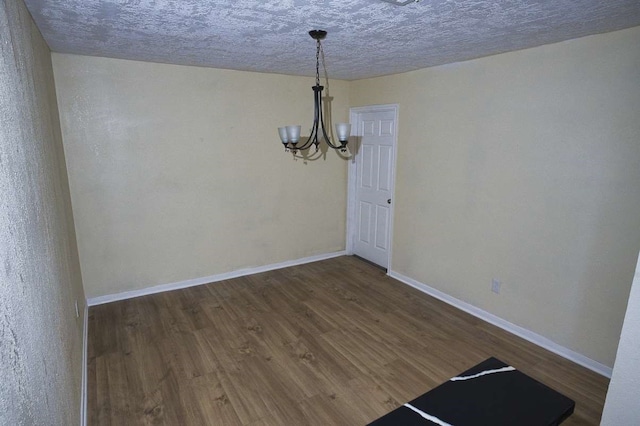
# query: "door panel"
[364,236]
[384,175]
[367,169]
[382,225]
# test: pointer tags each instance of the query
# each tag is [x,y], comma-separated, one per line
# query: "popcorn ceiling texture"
[41,339]
[366,37]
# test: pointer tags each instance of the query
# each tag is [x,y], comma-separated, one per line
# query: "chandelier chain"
[318,48]
[324,69]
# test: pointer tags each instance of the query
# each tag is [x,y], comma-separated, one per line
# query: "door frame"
[355,115]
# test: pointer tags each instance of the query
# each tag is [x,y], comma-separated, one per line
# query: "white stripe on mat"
[427,416]
[483,373]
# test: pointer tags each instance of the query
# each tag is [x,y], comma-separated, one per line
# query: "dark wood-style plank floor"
[329,343]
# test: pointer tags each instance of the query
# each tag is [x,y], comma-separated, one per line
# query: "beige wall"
[520,166]
[40,336]
[177,172]
[621,407]
[524,167]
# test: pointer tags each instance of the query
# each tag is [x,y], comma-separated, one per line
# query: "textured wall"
[524,167]
[41,339]
[621,407]
[178,172]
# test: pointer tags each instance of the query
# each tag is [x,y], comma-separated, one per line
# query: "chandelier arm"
[317,113]
[306,145]
[313,137]
[321,122]
[320,57]
[324,133]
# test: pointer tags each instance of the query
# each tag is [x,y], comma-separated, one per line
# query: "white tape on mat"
[429,417]
[482,373]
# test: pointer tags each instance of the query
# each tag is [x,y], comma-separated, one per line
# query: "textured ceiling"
[366,37]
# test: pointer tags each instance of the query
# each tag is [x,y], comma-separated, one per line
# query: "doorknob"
[389,201]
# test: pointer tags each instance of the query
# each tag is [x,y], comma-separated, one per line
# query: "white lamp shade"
[343,130]
[293,133]
[282,131]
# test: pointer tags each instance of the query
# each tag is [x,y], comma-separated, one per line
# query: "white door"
[373,195]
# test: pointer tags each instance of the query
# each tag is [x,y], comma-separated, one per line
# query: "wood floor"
[329,343]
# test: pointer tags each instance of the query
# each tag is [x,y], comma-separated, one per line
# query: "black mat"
[499,395]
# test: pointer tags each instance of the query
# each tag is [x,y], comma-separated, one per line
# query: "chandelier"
[290,135]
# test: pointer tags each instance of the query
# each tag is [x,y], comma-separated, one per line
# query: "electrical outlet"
[495,285]
[77,310]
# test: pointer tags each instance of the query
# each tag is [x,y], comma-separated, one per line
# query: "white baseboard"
[93,301]
[529,335]
[83,384]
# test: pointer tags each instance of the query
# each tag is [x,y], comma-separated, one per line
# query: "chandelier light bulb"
[343,130]
[282,131]
[293,134]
